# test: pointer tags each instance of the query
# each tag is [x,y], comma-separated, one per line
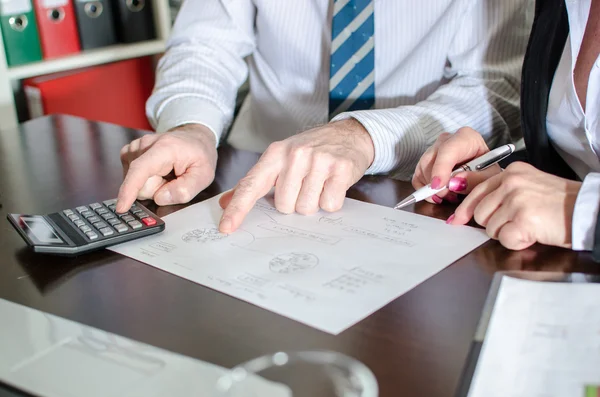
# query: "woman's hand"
[448,152]
[522,206]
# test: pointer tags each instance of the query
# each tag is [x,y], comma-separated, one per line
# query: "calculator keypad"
[104,221]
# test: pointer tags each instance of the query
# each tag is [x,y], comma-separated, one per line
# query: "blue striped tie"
[352,72]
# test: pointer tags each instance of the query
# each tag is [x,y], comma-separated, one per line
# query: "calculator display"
[38,228]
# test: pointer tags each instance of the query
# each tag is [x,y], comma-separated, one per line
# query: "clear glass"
[299,374]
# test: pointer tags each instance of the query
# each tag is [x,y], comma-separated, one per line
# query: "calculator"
[85,228]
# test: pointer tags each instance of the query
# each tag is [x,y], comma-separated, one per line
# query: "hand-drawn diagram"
[327,270]
[294,262]
[204,235]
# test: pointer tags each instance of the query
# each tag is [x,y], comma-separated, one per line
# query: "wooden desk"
[416,345]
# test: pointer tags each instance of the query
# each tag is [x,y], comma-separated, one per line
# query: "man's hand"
[310,170]
[522,206]
[188,151]
[448,152]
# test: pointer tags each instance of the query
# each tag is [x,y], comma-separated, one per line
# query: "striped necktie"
[352,66]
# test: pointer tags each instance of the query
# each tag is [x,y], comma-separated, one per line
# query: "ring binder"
[19,32]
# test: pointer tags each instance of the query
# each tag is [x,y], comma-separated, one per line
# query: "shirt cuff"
[191,110]
[585,215]
[397,138]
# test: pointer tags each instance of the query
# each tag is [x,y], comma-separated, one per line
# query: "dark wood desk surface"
[416,345]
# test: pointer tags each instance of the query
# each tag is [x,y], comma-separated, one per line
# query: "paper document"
[329,270]
[50,356]
[543,339]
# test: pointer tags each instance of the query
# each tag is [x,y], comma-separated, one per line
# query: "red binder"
[115,93]
[57,27]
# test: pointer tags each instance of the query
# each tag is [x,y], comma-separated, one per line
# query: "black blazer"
[546,44]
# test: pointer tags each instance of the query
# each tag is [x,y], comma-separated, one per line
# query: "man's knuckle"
[344,166]
[322,160]
[275,148]
[146,140]
[135,164]
[444,136]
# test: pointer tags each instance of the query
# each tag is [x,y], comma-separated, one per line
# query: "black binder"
[134,20]
[95,23]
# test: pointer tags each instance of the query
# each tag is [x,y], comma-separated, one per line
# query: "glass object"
[299,374]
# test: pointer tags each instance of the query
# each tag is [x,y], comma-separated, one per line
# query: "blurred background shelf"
[10,77]
[87,58]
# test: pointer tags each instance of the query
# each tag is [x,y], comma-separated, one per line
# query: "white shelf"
[87,58]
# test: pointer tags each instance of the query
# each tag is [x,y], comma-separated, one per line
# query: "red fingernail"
[449,220]
[436,182]
[436,199]
[457,184]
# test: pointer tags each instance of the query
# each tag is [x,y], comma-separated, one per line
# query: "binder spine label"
[14,7]
[54,3]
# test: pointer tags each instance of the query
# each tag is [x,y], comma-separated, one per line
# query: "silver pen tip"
[407,201]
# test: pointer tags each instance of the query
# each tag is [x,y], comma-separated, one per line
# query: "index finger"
[464,145]
[140,170]
[257,183]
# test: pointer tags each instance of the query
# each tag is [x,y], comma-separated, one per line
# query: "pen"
[478,164]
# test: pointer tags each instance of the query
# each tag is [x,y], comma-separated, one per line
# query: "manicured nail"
[436,182]
[436,199]
[457,184]
[225,225]
[449,220]
[452,198]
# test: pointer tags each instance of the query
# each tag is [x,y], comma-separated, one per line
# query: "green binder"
[19,32]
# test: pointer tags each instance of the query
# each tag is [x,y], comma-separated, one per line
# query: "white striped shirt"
[439,65]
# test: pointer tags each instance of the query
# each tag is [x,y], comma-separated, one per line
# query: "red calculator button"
[149,221]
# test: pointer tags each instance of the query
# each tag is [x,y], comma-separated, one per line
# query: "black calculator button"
[101,211]
[94,219]
[87,214]
[108,216]
[99,225]
[128,218]
[85,228]
[81,209]
[79,223]
[110,202]
[121,228]
[95,206]
[114,221]
[135,225]
[68,212]
[141,215]
[112,207]
[122,214]
[92,235]
[73,217]
[134,208]
[106,231]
